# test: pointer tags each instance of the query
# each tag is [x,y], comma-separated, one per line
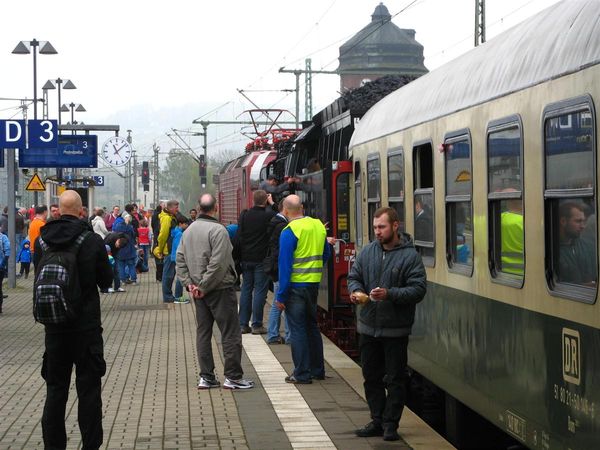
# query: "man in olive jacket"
[205,267]
[390,270]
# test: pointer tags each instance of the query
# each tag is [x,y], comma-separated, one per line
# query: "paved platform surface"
[150,399]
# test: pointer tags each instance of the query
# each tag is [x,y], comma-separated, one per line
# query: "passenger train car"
[492,161]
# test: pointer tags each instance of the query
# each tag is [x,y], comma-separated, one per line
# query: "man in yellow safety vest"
[512,237]
[303,249]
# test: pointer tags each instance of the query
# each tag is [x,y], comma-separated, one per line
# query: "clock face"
[116,151]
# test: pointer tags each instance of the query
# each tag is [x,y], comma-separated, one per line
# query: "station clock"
[116,151]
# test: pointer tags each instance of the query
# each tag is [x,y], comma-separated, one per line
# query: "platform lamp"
[50,84]
[23,48]
[66,84]
[73,107]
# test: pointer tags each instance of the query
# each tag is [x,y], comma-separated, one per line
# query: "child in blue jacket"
[25,258]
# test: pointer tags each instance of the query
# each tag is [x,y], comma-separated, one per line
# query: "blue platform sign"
[33,133]
[42,133]
[73,151]
[98,180]
[12,134]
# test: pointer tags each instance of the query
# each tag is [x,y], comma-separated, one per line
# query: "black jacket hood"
[63,231]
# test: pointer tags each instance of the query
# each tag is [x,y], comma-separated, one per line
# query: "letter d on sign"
[17,131]
[11,133]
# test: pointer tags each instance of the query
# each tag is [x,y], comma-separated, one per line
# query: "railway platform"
[150,399]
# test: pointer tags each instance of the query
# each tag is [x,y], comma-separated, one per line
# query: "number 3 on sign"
[47,129]
[42,133]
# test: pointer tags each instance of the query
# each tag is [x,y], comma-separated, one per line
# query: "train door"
[340,229]
[358,204]
[337,315]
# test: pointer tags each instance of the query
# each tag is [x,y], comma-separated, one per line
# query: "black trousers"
[159,268]
[85,351]
[383,361]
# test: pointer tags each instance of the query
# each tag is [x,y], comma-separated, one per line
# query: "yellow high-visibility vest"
[512,256]
[307,265]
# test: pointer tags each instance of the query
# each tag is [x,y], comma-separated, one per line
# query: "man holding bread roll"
[387,279]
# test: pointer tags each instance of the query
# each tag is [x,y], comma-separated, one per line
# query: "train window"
[423,165]
[505,202]
[373,189]
[570,199]
[358,205]
[459,217]
[423,201]
[396,183]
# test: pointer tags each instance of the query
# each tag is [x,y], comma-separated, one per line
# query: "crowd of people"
[274,246]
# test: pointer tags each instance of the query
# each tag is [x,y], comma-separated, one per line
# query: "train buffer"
[150,399]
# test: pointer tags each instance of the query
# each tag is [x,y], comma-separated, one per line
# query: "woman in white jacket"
[98,223]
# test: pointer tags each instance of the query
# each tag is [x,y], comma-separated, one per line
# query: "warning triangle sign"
[35,184]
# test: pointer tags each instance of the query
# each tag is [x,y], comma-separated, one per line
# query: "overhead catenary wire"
[470,36]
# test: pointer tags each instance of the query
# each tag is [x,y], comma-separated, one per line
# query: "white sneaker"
[110,290]
[207,383]
[120,290]
[238,384]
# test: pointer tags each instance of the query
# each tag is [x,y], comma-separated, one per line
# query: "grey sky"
[152,65]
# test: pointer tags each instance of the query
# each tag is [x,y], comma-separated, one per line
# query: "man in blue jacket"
[391,272]
[303,249]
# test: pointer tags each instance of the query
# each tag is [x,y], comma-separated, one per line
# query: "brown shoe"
[259,330]
[245,329]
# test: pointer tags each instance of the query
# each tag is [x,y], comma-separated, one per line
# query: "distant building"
[381,48]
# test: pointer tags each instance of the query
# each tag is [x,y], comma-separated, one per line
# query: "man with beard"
[391,272]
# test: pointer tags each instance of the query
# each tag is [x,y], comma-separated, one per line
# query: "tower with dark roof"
[381,48]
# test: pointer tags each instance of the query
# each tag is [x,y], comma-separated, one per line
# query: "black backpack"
[56,291]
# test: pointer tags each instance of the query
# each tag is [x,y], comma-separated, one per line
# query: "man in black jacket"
[276,226]
[390,270]
[252,232]
[78,342]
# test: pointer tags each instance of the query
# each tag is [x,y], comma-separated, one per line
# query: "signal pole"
[308,86]
[156,148]
[479,22]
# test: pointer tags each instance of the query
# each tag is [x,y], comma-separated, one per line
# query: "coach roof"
[559,40]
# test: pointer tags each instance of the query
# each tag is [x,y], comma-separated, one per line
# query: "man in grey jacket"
[391,272]
[205,267]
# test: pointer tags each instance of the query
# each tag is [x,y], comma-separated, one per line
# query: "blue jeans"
[167,279]
[256,281]
[275,320]
[305,337]
[127,269]
[146,249]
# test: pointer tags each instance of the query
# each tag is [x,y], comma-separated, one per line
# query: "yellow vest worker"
[512,251]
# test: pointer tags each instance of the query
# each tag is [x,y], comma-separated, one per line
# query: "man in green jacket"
[205,267]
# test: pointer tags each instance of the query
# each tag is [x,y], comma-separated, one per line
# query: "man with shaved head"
[78,341]
[303,249]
